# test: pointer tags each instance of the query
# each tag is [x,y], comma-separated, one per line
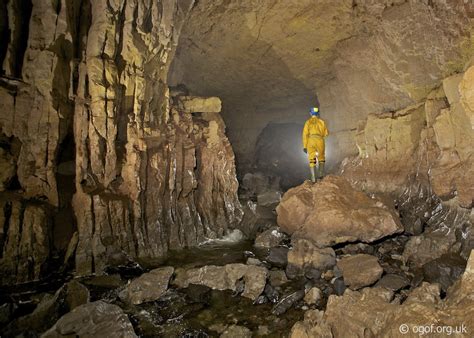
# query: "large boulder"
[225,278]
[149,286]
[332,212]
[97,319]
[360,270]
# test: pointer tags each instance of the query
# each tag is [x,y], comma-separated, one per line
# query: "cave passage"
[153,180]
[271,62]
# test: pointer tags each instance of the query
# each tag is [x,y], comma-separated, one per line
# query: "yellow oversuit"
[314,132]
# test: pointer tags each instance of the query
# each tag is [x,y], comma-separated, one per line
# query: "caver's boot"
[321,170]
[313,174]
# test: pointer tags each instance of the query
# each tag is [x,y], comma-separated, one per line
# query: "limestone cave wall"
[96,158]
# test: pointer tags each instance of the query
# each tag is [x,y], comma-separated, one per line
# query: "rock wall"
[431,141]
[423,157]
[86,112]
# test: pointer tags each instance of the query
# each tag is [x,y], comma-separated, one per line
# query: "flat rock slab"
[197,104]
[332,212]
[149,286]
[393,282]
[225,278]
[360,270]
[96,319]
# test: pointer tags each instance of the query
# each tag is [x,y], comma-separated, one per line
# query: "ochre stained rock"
[332,212]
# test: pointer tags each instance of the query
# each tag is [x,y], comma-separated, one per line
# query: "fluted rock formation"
[25,238]
[175,191]
[86,81]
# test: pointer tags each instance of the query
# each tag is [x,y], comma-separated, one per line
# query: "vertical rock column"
[36,111]
[149,176]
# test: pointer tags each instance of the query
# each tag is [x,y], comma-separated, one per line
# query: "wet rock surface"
[287,302]
[269,238]
[226,278]
[97,319]
[194,305]
[104,169]
[149,286]
[236,331]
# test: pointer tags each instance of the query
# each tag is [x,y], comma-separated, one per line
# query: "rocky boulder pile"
[374,312]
